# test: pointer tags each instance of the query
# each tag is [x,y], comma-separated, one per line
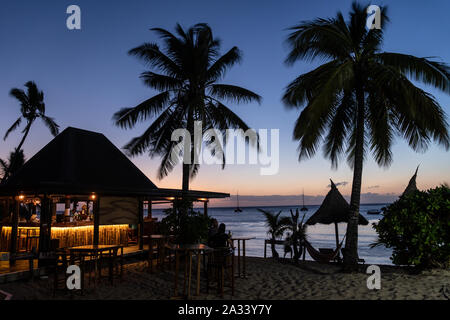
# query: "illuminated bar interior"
[77,190]
[72,224]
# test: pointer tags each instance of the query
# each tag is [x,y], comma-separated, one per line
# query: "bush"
[417,228]
[187,225]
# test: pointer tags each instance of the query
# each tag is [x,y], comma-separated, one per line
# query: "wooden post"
[149,209]
[96,213]
[53,216]
[336,230]
[205,208]
[45,228]
[14,229]
[141,224]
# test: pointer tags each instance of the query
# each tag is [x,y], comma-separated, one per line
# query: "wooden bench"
[270,241]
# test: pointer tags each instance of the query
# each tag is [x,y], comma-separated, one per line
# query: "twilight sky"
[87,75]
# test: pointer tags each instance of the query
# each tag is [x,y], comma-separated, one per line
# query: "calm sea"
[250,222]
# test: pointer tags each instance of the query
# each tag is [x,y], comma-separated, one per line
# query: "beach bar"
[79,189]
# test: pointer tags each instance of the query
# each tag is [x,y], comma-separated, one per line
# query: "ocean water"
[250,222]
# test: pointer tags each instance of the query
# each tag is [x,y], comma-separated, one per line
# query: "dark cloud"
[342,183]
[296,200]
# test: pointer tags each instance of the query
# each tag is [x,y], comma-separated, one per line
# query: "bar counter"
[70,234]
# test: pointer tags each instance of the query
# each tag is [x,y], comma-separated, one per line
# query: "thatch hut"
[334,209]
[80,166]
[412,186]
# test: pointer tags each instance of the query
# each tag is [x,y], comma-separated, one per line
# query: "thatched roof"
[334,208]
[412,186]
[79,161]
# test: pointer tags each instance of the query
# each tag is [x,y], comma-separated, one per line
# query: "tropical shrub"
[297,235]
[275,228]
[188,226]
[417,228]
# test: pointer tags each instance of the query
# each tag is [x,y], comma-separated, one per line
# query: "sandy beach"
[267,279]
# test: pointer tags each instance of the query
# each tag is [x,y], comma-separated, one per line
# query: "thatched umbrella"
[334,209]
[412,186]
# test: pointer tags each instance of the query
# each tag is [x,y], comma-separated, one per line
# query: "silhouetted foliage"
[187,225]
[417,228]
[361,98]
[10,166]
[187,72]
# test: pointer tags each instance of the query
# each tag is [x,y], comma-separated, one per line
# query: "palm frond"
[50,124]
[15,125]
[436,74]
[161,82]
[218,68]
[233,93]
[20,95]
[320,38]
[128,117]
[153,57]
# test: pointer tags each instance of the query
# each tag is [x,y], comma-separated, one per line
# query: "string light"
[73,236]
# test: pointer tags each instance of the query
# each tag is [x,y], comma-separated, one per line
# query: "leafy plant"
[417,228]
[11,165]
[188,226]
[275,227]
[297,232]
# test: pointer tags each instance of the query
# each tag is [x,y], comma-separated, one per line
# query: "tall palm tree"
[32,106]
[187,71]
[360,98]
[275,228]
[11,165]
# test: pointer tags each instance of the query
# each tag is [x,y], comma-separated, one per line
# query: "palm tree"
[10,166]
[32,106]
[297,231]
[361,98]
[275,228]
[188,69]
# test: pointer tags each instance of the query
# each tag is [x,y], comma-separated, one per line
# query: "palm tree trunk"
[185,177]
[187,166]
[274,250]
[27,130]
[351,242]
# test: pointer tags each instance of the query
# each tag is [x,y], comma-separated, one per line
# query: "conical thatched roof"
[412,186]
[80,161]
[334,208]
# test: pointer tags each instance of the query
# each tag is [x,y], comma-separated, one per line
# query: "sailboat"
[304,208]
[237,208]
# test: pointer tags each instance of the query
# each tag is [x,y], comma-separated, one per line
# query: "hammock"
[323,257]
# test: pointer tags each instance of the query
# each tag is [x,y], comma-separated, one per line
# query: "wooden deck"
[20,270]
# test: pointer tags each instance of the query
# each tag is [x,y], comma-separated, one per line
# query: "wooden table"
[160,243]
[189,250]
[94,251]
[239,239]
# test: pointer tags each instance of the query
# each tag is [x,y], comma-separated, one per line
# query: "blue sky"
[87,75]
